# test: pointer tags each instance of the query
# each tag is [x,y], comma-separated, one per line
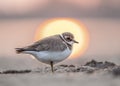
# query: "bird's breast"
[47,56]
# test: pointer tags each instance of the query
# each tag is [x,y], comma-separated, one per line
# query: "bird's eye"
[69,39]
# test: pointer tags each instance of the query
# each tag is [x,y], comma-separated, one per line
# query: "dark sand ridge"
[89,68]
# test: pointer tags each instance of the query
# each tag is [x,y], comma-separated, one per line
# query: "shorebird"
[52,49]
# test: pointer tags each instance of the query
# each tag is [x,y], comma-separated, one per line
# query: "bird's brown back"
[52,43]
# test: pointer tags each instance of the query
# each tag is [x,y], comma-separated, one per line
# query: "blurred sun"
[60,25]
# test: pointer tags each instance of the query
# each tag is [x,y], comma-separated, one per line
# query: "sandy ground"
[64,79]
[92,73]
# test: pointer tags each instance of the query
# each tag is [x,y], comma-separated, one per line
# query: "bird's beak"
[75,41]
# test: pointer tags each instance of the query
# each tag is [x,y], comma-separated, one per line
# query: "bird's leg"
[51,64]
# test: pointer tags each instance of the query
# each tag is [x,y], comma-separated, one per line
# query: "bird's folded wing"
[47,44]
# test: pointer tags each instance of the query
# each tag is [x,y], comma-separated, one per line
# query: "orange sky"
[18,22]
[61,25]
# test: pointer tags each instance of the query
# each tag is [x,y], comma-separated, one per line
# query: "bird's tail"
[19,50]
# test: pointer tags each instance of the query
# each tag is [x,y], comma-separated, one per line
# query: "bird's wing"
[53,43]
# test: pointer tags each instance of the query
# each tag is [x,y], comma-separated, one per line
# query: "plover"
[52,49]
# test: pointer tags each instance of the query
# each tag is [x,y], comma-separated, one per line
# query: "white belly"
[46,57]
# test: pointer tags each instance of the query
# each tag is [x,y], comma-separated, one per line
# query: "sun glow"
[60,25]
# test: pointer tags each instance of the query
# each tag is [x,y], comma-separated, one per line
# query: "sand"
[92,73]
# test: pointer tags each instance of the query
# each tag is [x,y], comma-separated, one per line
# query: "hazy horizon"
[103,34]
